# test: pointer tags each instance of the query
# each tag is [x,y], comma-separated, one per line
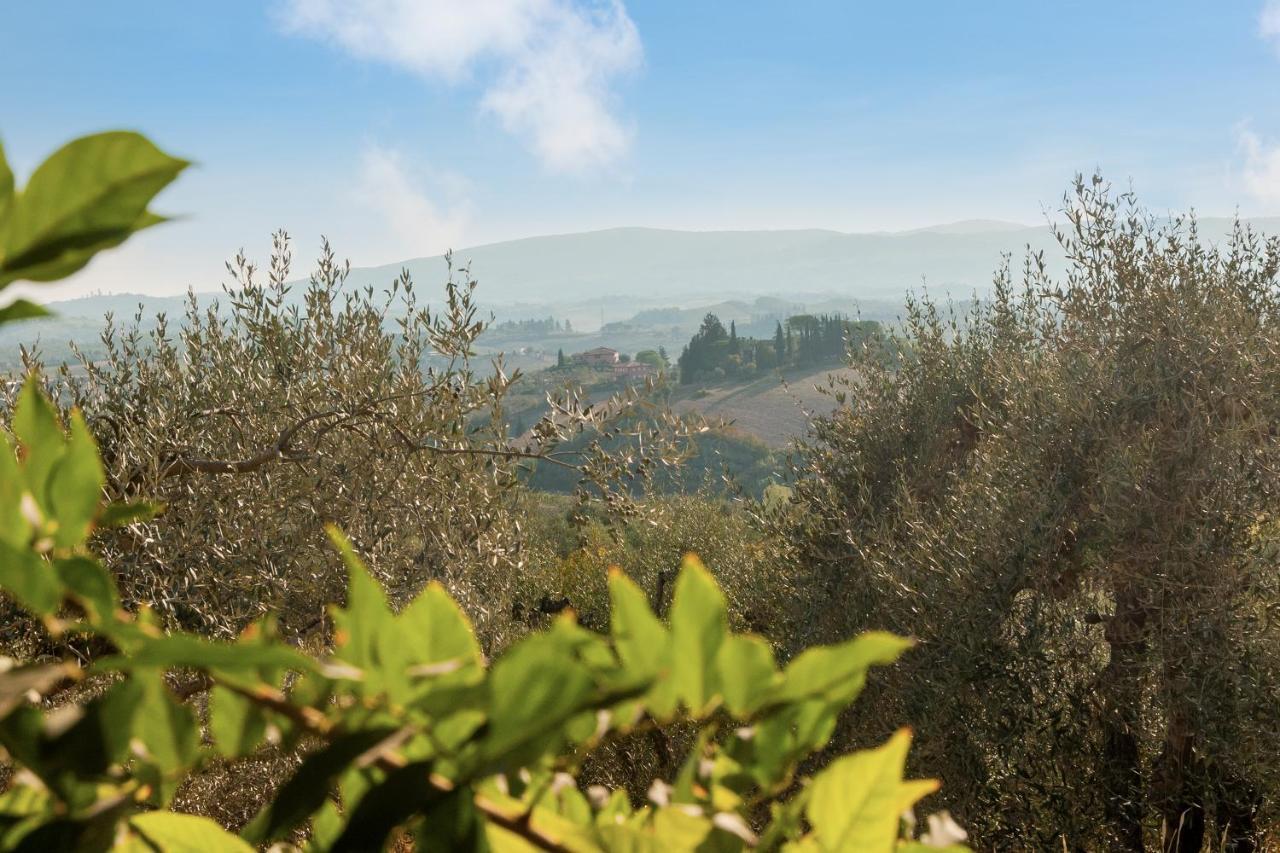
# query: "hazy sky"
[402,127]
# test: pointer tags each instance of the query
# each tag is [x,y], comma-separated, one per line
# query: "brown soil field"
[774,409]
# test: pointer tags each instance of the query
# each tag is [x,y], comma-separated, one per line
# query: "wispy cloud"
[1261,170]
[1269,22]
[551,64]
[412,223]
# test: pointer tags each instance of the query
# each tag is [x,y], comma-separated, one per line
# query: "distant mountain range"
[651,264]
[608,276]
[679,265]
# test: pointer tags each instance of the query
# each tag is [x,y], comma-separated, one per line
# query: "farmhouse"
[598,357]
[632,370]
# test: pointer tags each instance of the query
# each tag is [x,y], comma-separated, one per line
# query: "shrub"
[1069,496]
[282,410]
[283,407]
[567,561]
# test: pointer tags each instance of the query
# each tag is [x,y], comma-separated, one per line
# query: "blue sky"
[401,127]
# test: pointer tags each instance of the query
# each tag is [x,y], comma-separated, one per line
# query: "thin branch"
[494,451]
[281,449]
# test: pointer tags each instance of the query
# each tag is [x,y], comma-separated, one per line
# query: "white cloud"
[1269,21]
[552,63]
[1261,172]
[411,223]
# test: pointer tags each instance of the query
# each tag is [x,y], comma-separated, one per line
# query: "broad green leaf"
[668,829]
[560,833]
[21,309]
[436,633]
[39,432]
[836,674]
[122,514]
[365,633]
[89,582]
[698,627]
[90,195]
[75,486]
[171,832]
[642,642]
[14,527]
[22,734]
[746,672]
[326,823]
[452,825]
[166,728]
[589,648]
[534,690]
[782,738]
[236,725]
[29,579]
[682,789]
[405,791]
[857,802]
[172,650]
[307,788]
[23,800]
[82,743]
[681,830]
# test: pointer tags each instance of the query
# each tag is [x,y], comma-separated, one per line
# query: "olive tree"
[279,407]
[1069,494]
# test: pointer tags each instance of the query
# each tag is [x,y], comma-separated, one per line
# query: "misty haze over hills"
[685,267]
[601,277]
[681,266]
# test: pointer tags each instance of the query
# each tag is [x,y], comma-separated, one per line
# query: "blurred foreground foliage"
[406,730]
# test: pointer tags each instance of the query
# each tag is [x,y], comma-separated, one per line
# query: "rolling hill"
[609,276]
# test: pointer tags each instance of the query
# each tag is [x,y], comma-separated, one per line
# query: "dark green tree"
[700,355]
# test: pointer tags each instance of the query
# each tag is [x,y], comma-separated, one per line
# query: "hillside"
[660,263]
[675,265]
[773,409]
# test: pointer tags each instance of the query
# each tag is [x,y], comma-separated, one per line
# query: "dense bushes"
[567,562]
[718,460]
[405,724]
[1070,496]
[258,420]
